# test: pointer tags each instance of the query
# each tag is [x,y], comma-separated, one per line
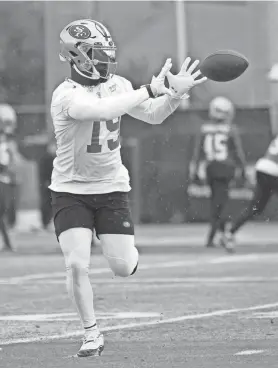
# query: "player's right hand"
[157,84]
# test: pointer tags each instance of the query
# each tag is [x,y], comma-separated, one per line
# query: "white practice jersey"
[88,152]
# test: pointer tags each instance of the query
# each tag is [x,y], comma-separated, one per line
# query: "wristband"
[150,92]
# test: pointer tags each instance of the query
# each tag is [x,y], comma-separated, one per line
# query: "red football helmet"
[88,46]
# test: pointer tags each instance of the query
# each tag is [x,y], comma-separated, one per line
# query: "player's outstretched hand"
[157,84]
[181,83]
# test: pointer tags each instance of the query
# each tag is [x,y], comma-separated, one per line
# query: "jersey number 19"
[112,126]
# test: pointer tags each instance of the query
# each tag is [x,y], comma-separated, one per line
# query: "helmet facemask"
[220,114]
[95,62]
[100,62]
[8,126]
[7,119]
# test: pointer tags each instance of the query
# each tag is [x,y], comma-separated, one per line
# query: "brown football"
[224,65]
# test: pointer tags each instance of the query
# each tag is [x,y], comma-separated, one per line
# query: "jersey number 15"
[215,147]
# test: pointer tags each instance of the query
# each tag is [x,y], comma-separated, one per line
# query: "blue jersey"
[220,147]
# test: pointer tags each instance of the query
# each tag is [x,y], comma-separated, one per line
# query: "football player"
[89,183]
[45,167]
[219,146]
[266,186]
[7,168]
[8,122]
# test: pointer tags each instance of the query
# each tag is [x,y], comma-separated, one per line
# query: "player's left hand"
[181,83]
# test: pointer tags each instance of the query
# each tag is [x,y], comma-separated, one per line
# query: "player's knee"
[77,267]
[126,266]
[121,268]
[75,244]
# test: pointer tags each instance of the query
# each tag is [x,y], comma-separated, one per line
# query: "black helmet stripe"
[101,29]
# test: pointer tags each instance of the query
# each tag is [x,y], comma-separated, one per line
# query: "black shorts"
[220,170]
[5,197]
[105,213]
[267,183]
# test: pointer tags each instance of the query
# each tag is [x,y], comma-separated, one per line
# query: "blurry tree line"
[21,52]
[22,49]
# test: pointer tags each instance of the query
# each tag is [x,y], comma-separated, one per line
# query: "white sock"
[89,330]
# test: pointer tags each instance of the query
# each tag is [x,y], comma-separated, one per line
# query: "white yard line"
[95,271]
[268,315]
[209,260]
[249,352]
[255,257]
[188,280]
[217,313]
[73,316]
[170,280]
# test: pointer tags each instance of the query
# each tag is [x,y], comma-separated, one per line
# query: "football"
[224,65]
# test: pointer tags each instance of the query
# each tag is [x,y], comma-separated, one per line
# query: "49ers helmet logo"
[80,32]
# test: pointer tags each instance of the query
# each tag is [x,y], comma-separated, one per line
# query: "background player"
[45,167]
[89,182]
[266,185]
[219,145]
[8,122]
[7,169]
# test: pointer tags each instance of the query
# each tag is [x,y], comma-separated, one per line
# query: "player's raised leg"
[120,252]
[115,229]
[263,191]
[219,199]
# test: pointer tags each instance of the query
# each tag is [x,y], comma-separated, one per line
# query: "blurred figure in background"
[45,167]
[8,157]
[219,146]
[266,186]
[8,121]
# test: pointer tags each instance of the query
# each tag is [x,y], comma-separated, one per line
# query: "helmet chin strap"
[82,79]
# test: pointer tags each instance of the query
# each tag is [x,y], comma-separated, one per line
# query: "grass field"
[192,308]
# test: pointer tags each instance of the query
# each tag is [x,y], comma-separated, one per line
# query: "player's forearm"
[241,162]
[198,149]
[155,111]
[85,107]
